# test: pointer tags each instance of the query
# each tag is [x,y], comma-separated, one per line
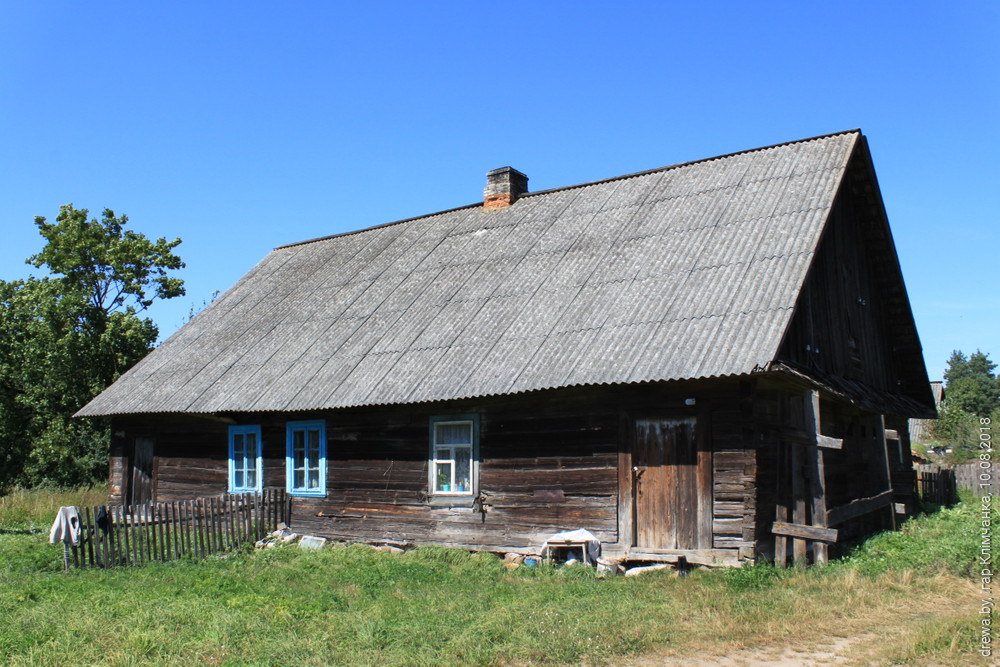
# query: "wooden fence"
[112,536]
[940,483]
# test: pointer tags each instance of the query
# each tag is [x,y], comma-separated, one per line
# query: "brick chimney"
[503,187]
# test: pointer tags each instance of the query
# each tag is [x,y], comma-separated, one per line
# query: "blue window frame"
[454,456]
[305,458]
[245,462]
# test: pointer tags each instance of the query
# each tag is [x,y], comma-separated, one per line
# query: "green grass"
[30,511]
[433,606]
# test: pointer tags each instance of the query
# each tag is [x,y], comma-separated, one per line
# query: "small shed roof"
[689,271]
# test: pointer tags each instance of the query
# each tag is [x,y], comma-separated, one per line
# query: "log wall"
[548,462]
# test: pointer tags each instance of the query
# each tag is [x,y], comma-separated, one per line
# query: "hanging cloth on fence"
[103,520]
[66,527]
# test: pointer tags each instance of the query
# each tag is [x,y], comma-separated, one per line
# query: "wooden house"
[713,361]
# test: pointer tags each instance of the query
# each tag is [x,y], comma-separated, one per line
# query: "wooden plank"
[707,557]
[89,532]
[121,531]
[178,529]
[826,442]
[858,507]
[198,527]
[129,535]
[159,531]
[704,464]
[727,526]
[803,532]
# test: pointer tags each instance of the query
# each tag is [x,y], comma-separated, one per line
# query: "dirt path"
[840,651]
[865,640]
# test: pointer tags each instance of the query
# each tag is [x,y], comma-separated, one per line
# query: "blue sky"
[242,126]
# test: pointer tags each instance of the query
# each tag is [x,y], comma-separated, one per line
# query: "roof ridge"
[562,188]
[689,163]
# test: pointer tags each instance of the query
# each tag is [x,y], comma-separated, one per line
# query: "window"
[244,459]
[454,465]
[305,458]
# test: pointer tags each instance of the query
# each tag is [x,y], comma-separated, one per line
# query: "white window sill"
[451,500]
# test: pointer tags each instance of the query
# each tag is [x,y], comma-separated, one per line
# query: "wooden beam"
[803,532]
[886,471]
[626,492]
[780,506]
[703,471]
[718,557]
[858,507]
[816,474]
[799,547]
[826,442]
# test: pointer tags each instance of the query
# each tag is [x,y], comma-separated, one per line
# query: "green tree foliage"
[970,383]
[67,336]
[972,392]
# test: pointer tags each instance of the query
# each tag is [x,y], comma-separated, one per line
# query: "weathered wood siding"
[857,470]
[549,461]
[377,481]
[852,325]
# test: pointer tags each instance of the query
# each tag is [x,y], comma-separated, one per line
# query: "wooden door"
[672,485]
[141,481]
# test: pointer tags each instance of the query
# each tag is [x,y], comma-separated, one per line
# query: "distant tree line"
[972,395]
[68,335]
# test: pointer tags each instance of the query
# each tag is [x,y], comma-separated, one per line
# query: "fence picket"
[151,532]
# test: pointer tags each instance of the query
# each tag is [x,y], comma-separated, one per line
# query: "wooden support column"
[816,475]
[626,492]
[886,472]
[799,549]
[780,506]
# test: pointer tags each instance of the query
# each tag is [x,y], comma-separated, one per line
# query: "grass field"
[912,592]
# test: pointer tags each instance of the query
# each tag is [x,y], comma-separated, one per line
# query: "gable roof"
[688,271]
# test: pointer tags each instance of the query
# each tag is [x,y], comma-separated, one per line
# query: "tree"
[970,383]
[972,392]
[116,268]
[67,336]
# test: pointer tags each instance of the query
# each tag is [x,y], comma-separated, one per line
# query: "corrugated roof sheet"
[683,272]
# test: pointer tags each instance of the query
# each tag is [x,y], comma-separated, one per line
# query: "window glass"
[244,459]
[453,468]
[306,458]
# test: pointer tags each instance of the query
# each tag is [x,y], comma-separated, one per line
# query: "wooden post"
[164,512]
[236,524]
[186,547]
[204,534]
[87,531]
[780,506]
[122,535]
[817,476]
[798,507]
[220,543]
[199,526]
[208,528]
[109,539]
[129,520]
[176,529]
[886,471]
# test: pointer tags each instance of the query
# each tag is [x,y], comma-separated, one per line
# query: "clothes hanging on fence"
[66,527]
[103,521]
